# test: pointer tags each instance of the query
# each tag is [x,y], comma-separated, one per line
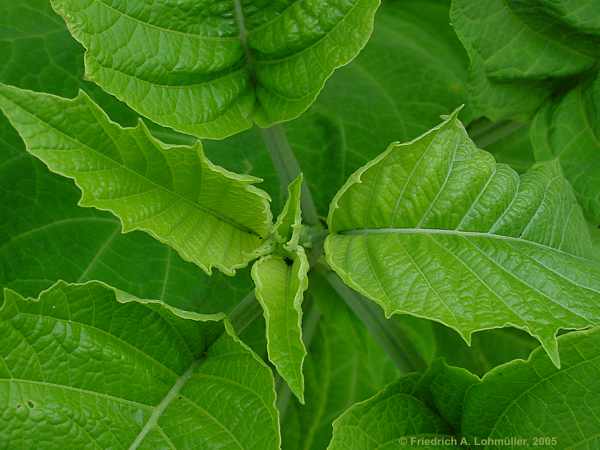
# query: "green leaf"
[522,50]
[213,69]
[344,365]
[280,284]
[535,399]
[566,129]
[96,367]
[289,222]
[500,100]
[214,217]
[437,229]
[521,39]
[443,388]
[396,418]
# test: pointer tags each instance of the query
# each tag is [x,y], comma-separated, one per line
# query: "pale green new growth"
[212,217]
[280,282]
[96,368]
[213,68]
[289,222]
[280,285]
[437,229]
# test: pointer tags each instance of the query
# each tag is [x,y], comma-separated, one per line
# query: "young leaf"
[395,418]
[437,229]
[289,223]
[344,365]
[212,217]
[214,68]
[566,129]
[534,398]
[280,285]
[96,367]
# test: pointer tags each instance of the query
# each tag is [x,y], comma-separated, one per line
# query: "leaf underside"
[438,229]
[281,279]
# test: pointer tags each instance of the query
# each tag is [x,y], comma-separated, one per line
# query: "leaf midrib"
[163,405]
[465,234]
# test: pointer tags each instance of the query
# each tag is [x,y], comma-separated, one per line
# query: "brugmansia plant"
[419,267]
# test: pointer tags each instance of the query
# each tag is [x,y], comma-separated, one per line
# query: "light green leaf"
[213,69]
[280,284]
[437,229]
[213,217]
[397,418]
[535,399]
[344,365]
[566,129]
[97,368]
[289,222]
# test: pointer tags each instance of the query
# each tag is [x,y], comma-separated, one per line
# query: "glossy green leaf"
[566,129]
[344,365]
[437,229]
[534,399]
[98,368]
[212,217]
[212,68]
[280,284]
[395,419]
[289,222]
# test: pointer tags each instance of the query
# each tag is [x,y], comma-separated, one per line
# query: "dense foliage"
[299,224]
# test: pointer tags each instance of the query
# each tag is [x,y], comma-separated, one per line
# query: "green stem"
[383,330]
[485,133]
[245,312]
[288,169]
